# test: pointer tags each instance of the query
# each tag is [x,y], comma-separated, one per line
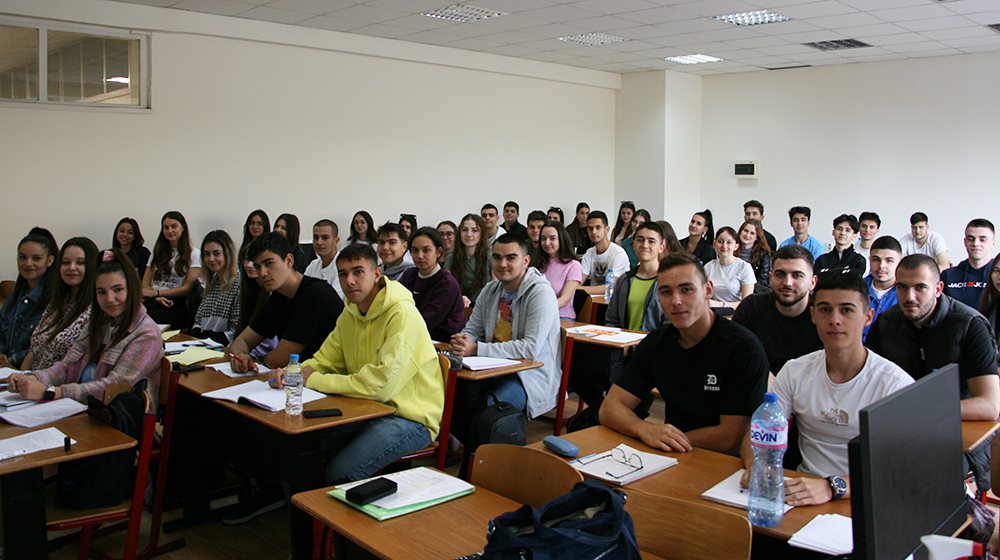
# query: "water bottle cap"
[293,358]
[770,397]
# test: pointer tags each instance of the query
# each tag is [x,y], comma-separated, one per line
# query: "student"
[516,317]
[623,225]
[673,245]
[536,221]
[326,238]
[870,224]
[511,211]
[380,351]
[470,263]
[288,225]
[492,231]
[754,210]
[578,229]
[129,239]
[988,304]
[755,250]
[449,233]
[252,298]
[639,217]
[301,311]
[922,241]
[122,343]
[363,229]
[732,277]
[555,214]
[436,293]
[798,217]
[257,224]
[219,312]
[966,281]
[170,286]
[885,256]
[843,257]
[408,223]
[709,393]
[392,248]
[603,254]
[701,233]
[780,318]
[23,309]
[67,312]
[560,265]
[825,390]
[634,304]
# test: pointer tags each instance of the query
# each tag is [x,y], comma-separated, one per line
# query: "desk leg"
[563,385]
[24,534]
[195,457]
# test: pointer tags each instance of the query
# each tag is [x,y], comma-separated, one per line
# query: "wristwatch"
[838,486]
[50,393]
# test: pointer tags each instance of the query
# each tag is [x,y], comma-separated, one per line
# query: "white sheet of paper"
[827,534]
[10,401]
[605,467]
[43,413]
[477,363]
[622,337]
[226,369]
[730,493]
[416,486]
[6,371]
[261,394]
[593,330]
[49,438]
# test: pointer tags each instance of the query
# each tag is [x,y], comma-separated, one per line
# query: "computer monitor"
[906,468]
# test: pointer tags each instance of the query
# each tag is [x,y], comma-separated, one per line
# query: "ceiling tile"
[512,5]
[604,23]
[972,6]
[641,32]
[868,5]
[386,31]
[897,39]
[620,57]
[845,20]
[708,8]
[978,49]
[332,24]
[264,13]
[985,18]
[428,37]
[987,41]
[785,49]
[315,7]
[560,13]
[554,31]
[817,9]
[513,38]
[872,30]
[936,23]
[961,33]
[507,50]
[478,44]
[418,22]
[614,6]
[368,14]
[412,6]
[614,67]
[788,27]
[915,47]
[549,56]
[912,13]
[757,42]
[658,16]
[220,7]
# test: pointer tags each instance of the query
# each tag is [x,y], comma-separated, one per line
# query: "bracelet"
[157,293]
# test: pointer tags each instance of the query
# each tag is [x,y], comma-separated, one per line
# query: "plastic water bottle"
[769,438]
[293,386]
[609,284]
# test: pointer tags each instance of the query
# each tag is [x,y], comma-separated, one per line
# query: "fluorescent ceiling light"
[118,80]
[463,13]
[752,18]
[693,59]
[593,39]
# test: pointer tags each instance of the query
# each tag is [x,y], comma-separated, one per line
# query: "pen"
[250,366]
[12,454]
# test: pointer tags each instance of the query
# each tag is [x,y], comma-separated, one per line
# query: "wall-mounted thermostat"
[746,169]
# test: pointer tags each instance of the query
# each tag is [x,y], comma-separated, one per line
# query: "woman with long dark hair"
[129,239]
[641,216]
[219,312]
[23,309]
[257,224]
[288,225]
[470,263]
[363,229]
[755,250]
[701,233]
[623,226]
[170,286]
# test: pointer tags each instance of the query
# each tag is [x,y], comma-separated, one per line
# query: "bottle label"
[773,438]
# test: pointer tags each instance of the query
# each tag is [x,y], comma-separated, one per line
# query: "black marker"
[66,442]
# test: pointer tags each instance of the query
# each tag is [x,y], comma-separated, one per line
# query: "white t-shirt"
[493,239]
[867,254]
[729,280]
[596,266]
[316,270]
[933,247]
[173,280]
[827,413]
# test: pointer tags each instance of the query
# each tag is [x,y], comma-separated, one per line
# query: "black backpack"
[499,422]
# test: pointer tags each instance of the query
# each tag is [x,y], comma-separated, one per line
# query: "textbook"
[13,401]
[622,465]
[728,492]
[417,489]
[260,394]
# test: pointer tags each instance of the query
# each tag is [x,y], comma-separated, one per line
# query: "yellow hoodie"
[385,355]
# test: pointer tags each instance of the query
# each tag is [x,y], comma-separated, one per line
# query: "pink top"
[558,274]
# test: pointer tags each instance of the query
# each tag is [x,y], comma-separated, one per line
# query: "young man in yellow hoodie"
[380,350]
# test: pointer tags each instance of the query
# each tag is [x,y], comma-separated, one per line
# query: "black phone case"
[371,491]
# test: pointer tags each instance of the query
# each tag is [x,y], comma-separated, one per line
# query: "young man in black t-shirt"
[301,311]
[711,372]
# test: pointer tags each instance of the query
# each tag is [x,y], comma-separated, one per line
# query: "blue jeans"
[363,448]
[473,396]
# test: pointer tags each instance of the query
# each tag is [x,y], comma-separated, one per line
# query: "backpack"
[499,422]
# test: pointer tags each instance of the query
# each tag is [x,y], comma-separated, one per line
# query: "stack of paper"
[259,393]
[477,363]
[49,438]
[193,355]
[730,493]
[43,413]
[827,534]
[226,368]
[417,489]
[607,334]
[6,371]
[608,467]
[167,335]
[13,401]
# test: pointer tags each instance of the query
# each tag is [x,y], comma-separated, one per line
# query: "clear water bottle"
[293,386]
[609,284]
[769,439]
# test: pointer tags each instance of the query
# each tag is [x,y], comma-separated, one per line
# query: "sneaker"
[258,500]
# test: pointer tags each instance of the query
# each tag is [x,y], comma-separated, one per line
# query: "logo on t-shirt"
[712,383]
[836,417]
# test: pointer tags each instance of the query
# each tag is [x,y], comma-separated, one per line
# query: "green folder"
[382,514]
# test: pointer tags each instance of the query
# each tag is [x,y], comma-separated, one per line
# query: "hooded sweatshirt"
[385,355]
[966,284]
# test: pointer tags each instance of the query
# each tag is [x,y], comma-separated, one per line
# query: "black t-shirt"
[725,373]
[783,338]
[307,319]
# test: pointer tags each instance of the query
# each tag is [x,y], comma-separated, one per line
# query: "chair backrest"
[6,287]
[468,313]
[674,528]
[583,304]
[522,474]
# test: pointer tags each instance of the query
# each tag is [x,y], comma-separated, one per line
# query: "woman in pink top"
[558,261]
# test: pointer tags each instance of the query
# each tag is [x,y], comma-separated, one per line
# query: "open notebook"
[259,393]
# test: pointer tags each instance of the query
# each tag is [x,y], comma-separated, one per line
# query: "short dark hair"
[581,206]
[838,280]
[653,227]
[273,242]
[915,261]
[330,224]
[511,204]
[981,222]
[598,215]
[792,252]
[537,216]
[754,204]
[917,217]
[887,242]
[675,259]
[514,238]
[800,210]
[488,206]
[356,251]
[430,233]
[870,216]
[850,219]
[390,228]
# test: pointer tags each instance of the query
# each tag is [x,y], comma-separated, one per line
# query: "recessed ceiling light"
[837,45]
[463,13]
[693,59]
[592,39]
[752,18]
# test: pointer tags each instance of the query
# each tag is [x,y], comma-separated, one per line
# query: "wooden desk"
[469,375]
[696,472]
[975,433]
[21,489]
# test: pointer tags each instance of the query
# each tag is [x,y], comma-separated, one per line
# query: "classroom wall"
[250,114]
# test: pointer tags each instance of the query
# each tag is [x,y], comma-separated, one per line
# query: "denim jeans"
[472,396]
[362,448]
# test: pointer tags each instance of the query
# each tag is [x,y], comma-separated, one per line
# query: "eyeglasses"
[407,217]
[628,204]
[555,209]
[447,233]
[618,455]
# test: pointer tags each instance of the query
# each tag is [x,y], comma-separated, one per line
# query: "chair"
[522,474]
[6,287]
[468,313]
[678,529]
[439,448]
[583,304]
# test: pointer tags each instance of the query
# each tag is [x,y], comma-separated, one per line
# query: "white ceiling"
[655,29]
